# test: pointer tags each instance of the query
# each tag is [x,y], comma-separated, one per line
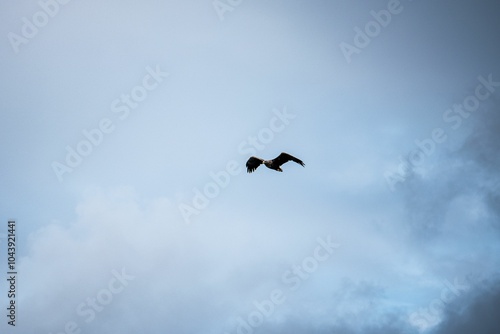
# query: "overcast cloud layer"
[125,131]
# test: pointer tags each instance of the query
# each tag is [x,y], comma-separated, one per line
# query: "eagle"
[275,164]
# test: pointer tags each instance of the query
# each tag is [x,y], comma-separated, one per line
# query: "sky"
[126,126]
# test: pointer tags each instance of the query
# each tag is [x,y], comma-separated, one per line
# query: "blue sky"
[125,132]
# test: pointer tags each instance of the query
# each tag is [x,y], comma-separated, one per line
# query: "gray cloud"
[477,314]
[482,149]
[467,165]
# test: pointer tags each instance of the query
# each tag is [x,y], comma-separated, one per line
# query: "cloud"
[464,167]
[212,271]
[477,314]
[452,207]
[481,149]
[474,312]
[115,232]
[392,323]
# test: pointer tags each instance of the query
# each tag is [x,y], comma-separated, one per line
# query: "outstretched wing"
[253,163]
[285,157]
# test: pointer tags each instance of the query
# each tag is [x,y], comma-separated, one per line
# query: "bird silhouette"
[254,162]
